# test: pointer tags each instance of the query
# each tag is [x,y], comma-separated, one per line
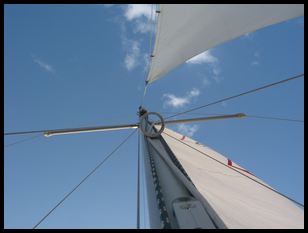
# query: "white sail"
[239,201]
[184,31]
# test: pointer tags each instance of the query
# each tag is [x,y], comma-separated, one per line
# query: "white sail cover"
[184,30]
[239,201]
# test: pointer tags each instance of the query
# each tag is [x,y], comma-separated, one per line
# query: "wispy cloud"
[248,36]
[206,81]
[143,27]
[203,58]
[44,65]
[210,60]
[256,60]
[133,54]
[174,101]
[141,16]
[224,104]
[108,5]
[193,93]
[131,50]
[138,16]
[134,11]
[187,130]
[146,58]
[177,102]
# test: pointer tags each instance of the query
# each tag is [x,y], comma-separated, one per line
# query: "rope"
[241,94]
[237,171]
[23,140]
[275,118]
[83,180]
[25,132]
[144,93]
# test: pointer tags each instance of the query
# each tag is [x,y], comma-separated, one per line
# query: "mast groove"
[164,217]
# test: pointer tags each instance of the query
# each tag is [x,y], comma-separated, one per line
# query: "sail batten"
[184,31]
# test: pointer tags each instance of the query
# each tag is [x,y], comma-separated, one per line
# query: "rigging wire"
[247,116]
[238,95]
[138,182]
[236,170]
[83,180]
[275,118]
[23,140]
[26,132]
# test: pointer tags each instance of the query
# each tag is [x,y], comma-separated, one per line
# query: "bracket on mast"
[150,131]
[142,111]
[190,214]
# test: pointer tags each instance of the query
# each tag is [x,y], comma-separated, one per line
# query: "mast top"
[141,111]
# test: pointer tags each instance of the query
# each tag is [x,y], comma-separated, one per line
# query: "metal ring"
[152,134]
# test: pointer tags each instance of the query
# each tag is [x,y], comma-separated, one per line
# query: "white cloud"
[140,14]
[131,50]
[187,130]
[108,5]
[224,104]
[139,17]
[217,78]
[205,57]
[44,65]
[193,93]
[209,59]
[146,58]
[133,54]
[216,70]
[134,11]
[143,26]
[255,62]
[206,81]
[248,35]
[204,78]
[177,102]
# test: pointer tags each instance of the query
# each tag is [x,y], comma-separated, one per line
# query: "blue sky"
[71,66]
